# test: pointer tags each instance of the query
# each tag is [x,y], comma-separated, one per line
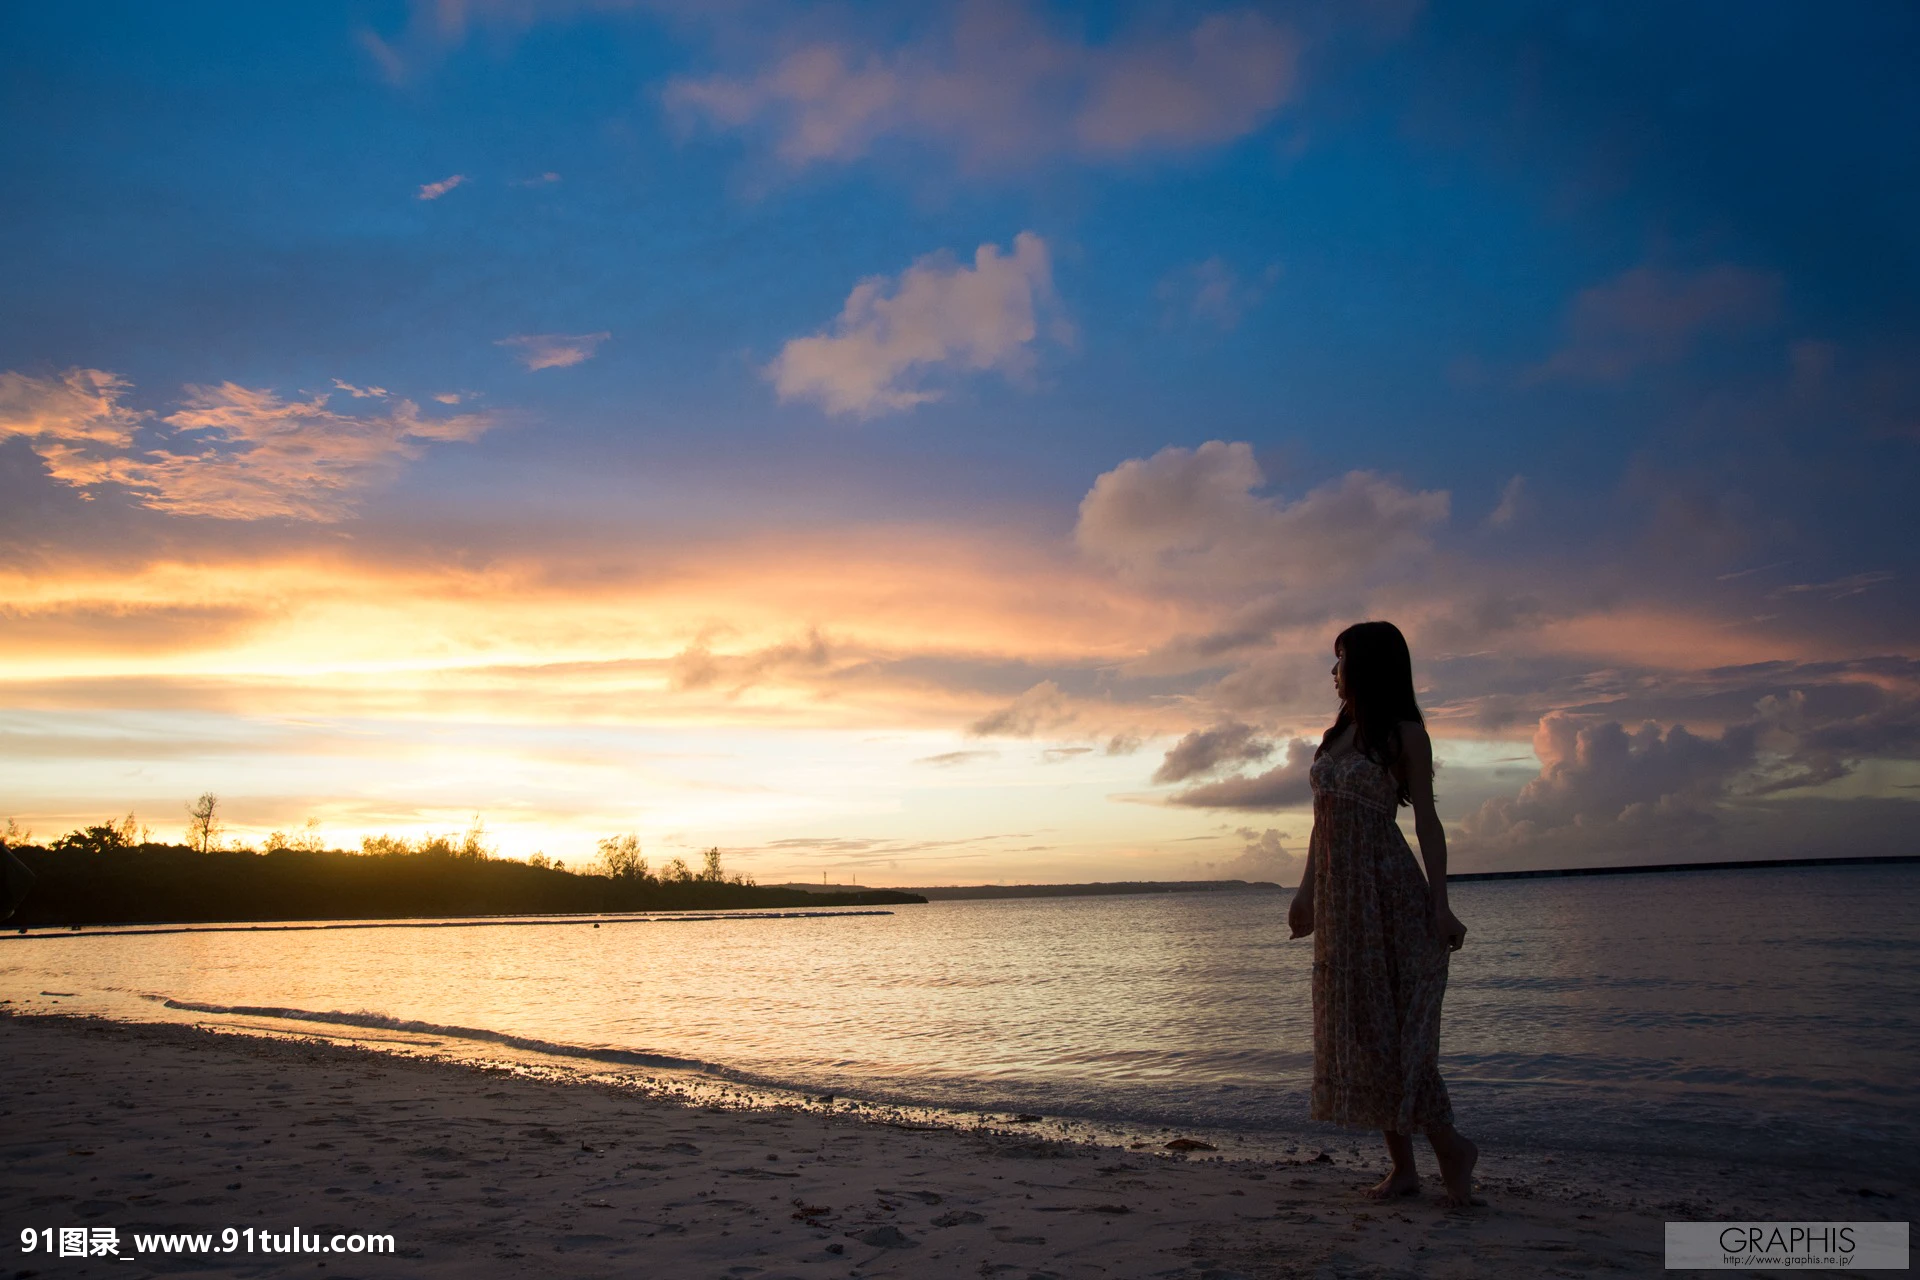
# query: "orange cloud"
[75,422]
[233,452]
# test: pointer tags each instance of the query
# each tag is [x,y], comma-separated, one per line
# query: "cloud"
[1285,786]
[949,759]
[1211,292]
[393,67]
[366,393]
[1043,706]
[554,350]
[939,314]
[434,190]
[1603,790]
[74,421]
[228,451]
[546,179]
[1653,316]
[1513,501]
[1265,857]
[1190,517]
[1221,82]
[1000,87]
[1205,750]
[698,667]
[1840,588]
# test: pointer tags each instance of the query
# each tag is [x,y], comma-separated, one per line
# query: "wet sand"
[485,1171]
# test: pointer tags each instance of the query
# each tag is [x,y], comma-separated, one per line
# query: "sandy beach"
[476,1171]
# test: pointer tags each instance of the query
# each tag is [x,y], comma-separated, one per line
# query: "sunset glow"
[856,447]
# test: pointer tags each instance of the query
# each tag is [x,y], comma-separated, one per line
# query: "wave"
[384,1022]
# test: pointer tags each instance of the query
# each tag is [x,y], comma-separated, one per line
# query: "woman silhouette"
[1381,932]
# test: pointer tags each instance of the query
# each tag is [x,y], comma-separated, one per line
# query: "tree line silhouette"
[116,873]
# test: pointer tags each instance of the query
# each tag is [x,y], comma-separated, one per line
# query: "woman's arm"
[1300,910]
[1415,764]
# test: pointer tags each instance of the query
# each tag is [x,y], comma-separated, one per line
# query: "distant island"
[149,883]
[961,892]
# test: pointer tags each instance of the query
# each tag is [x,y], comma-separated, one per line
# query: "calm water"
[1742,1015]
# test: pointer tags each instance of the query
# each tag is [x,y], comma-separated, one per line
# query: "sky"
[928,444]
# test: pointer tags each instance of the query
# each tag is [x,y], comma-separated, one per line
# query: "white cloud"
[554,350]
[1190,517]
[939,314]
[1000,86]
[434,190]
[228,451]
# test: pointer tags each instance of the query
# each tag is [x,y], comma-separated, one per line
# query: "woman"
[1381,932]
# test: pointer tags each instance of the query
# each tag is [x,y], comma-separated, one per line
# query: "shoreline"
[488,1169]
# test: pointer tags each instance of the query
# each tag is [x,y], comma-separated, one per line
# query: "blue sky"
[742,379]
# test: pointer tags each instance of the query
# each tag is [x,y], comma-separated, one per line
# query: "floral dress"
[1379,963]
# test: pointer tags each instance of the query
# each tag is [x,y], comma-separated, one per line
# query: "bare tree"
[203,824]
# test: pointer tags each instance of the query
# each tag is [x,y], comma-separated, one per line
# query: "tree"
[473,844]
[710,872]
[620,859]
[99,839]
[203,822]
[15,835]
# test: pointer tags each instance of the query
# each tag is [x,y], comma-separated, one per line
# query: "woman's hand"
[1300,914]
[1447,925]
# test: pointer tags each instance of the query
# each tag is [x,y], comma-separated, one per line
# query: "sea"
[1768,1015]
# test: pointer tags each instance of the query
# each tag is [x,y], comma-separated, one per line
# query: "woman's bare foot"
[1401,1182]
[1457,1155]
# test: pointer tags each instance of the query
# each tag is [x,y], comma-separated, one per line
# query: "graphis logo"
[1815,1245]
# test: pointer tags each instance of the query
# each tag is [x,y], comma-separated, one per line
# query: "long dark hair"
[1379,678]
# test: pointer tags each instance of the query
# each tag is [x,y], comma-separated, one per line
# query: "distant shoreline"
[1095,889]
[1649,868]
[1115,888]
